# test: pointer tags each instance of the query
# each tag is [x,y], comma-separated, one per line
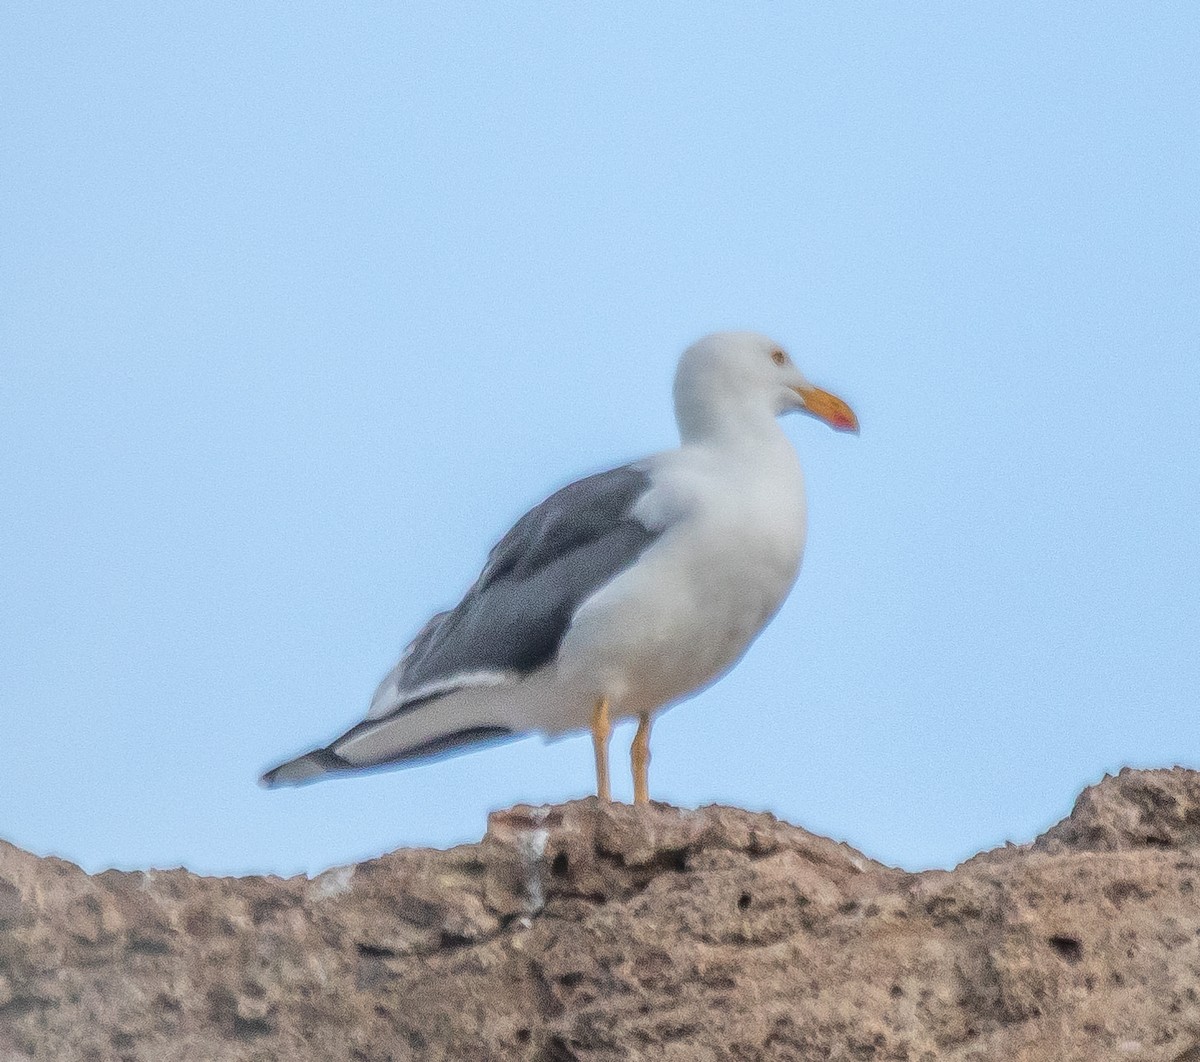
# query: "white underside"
[664,628]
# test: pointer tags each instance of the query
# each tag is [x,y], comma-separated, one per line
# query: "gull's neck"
[727,421]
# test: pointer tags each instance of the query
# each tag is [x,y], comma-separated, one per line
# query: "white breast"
[691,606]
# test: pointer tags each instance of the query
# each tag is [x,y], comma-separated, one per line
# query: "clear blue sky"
[302,304]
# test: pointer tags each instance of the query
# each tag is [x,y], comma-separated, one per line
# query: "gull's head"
[729,380]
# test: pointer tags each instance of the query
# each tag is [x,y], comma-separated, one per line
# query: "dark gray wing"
[513,619]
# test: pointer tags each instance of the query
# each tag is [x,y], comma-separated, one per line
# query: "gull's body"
[621,594]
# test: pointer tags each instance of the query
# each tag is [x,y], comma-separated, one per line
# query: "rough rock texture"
[598,933]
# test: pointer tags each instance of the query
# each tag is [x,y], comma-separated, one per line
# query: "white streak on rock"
[335,882]
[531,846]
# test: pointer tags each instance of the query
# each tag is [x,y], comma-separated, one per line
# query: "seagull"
[619,595]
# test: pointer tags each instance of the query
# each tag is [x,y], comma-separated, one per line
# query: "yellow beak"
[829,408]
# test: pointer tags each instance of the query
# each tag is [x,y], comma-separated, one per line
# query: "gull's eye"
[779,357]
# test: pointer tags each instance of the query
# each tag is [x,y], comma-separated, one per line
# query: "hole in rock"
[1068,947]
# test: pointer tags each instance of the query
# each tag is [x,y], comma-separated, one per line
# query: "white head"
[730,381]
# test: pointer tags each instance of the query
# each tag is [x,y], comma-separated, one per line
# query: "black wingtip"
[303,769]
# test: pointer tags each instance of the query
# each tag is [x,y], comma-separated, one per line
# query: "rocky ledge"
[601,933]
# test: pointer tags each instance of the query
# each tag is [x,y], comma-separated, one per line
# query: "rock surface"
[602,933]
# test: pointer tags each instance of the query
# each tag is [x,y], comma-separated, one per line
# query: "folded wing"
[510,623]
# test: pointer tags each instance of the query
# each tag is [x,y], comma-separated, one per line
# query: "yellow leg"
[601,729]
[640,755]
